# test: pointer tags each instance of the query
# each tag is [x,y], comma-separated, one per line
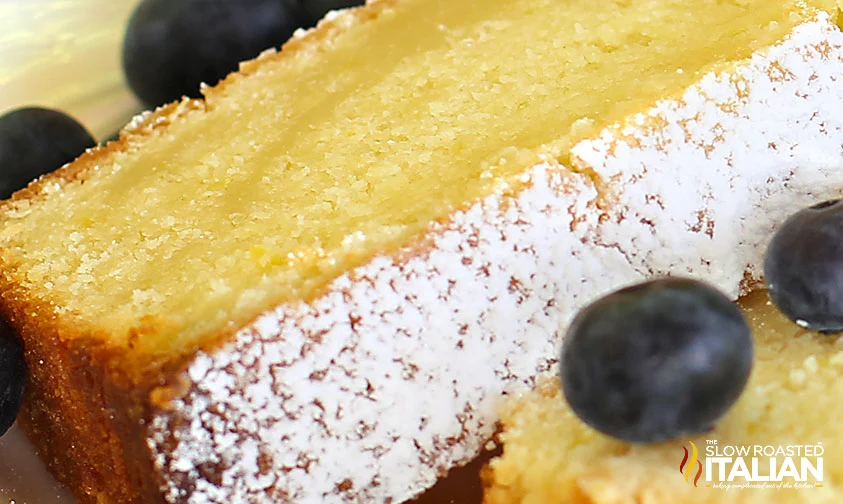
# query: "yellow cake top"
[345,145]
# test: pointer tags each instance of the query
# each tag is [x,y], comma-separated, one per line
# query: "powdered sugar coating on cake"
[384,382]
[392,377]
[698,184]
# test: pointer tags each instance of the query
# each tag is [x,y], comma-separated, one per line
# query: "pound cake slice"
[791,401]
[315,284]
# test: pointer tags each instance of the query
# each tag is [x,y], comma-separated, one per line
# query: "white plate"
[23,477]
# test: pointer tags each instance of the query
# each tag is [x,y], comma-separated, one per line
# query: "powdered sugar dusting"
[735,156]
[374,389]
[306,400]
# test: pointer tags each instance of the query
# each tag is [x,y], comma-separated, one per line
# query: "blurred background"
[65,54]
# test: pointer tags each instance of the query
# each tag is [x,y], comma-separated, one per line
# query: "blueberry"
[656,361]
[314,10]
[12,377]
[803,267]
[171,46]
[35,141]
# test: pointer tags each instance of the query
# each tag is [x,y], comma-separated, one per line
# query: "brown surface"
[24,479]
[85,426]
[462,485]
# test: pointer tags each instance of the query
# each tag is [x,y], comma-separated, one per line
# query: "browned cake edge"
[86,405]
[73,362]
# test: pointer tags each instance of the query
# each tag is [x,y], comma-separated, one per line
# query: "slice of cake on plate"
[315,284]
[550,456]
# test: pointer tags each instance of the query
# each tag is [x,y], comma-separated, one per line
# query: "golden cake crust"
[552,225]
[163,429]
[86,404]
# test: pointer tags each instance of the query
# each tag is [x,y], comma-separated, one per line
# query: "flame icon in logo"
[686,467]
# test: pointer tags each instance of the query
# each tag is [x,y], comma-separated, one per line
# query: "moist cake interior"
[332,153]
[792,399]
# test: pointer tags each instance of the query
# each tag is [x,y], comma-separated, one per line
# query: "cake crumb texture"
[794,395]
[276,294]
[345,145]
[477,313]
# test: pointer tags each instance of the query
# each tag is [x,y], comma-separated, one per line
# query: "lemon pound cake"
[314,284]
[550,456]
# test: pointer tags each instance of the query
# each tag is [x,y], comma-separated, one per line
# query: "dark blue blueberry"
[171,46]
[803,267]
[314,10]
[12,377]
[656,361]
[35,141]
